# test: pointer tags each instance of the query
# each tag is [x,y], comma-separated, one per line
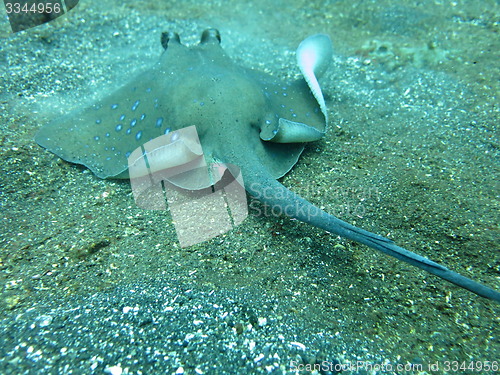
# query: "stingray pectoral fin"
[291,132]
[294,115]
[313,56]
[297,116]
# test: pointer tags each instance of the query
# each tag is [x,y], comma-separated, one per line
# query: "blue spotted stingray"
[243,117]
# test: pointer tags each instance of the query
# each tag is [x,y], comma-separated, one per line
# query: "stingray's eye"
[210,36]
[167,37]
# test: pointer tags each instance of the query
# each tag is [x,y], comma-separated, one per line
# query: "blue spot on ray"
[138,135]
[159,121]
[119,127]
[135,105]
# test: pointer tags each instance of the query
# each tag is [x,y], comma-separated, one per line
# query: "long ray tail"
[272,193]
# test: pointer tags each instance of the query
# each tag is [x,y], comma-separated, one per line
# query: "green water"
[412,153]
